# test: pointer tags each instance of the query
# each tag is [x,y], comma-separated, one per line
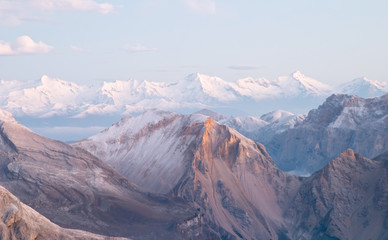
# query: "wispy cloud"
[16,12]
[77,49]
[138,48]
[244,67]
[207,7]
[22,46]
[78,5]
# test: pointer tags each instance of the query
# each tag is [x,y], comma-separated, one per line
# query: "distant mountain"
[74,189]
[55,107]
[237,187]
[341,122]
[363,87]
[259,129]
[55,97]
[22,222]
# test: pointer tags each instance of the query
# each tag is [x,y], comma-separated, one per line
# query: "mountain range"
[170,176]
[68,111]
[49,97]
[235,184]
[165,175]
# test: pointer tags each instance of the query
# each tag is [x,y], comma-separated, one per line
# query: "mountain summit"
[55,97]
[363,87]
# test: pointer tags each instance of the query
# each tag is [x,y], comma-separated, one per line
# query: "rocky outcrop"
[18,221]
[347,199]
[341,122]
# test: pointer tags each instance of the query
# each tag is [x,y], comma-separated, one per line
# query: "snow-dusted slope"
[204,89]
[55,97]
[124,146]
[364,87]
[278,115]
[297,84]
[341,122]
[77,190]
[51,96]
[259,129]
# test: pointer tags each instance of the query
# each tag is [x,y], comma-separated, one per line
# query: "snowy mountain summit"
[364,87]
[297,92]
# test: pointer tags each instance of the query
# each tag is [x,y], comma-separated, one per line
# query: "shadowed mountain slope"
[347,199]
[19,221]
[74,189]
[341,122]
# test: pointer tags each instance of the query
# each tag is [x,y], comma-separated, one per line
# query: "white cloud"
[16,12]
[138,48]
[202,6]
[77,49]
[23,45]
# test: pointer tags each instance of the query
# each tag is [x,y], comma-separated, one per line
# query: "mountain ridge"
[55,97]
[341,122]
[242,193]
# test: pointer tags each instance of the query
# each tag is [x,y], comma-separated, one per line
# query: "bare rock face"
[18,221]
[340,123]
[234,184]
[347,199]
[237,185]
[74,189]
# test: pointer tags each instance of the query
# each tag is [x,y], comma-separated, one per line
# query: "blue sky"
[90,41]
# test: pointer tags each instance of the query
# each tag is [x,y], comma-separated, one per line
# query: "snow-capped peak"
[278,115]
[364,87]
[298,82]
[298,75]
[205,88]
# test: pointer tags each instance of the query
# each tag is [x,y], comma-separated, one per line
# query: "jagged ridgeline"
[236,185]
[163,175]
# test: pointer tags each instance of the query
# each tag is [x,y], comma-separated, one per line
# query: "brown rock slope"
[347,199]
[74,189]
[18,221]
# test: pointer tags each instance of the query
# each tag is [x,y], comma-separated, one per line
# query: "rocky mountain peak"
[349,153]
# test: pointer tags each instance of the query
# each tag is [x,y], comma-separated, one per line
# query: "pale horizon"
[156,40]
